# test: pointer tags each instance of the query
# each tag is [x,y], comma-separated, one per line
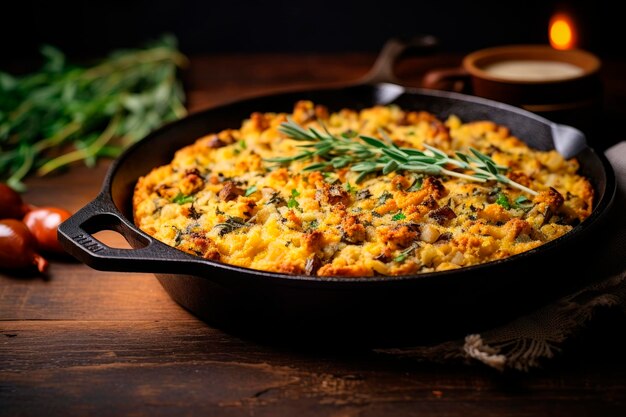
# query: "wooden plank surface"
[85,342]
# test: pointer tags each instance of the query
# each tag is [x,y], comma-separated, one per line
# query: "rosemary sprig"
[64,113]
[372,156]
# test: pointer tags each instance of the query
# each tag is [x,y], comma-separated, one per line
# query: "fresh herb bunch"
[65,113]
[371,155]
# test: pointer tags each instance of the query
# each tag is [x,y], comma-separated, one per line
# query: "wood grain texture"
[94,343]
[185,367]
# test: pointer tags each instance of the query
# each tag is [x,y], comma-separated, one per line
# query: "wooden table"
[94,343]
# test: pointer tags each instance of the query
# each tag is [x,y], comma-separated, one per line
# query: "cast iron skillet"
[373,311]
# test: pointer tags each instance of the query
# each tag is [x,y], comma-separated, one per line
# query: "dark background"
[89,29]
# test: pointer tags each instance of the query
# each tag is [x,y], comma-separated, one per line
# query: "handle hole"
[111,229]
[112,239]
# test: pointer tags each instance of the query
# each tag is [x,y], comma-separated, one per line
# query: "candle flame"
[562,35]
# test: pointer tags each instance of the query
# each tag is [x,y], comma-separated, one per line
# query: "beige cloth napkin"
[529,340]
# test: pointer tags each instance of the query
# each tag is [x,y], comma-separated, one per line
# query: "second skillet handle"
[382,70]
[149,255]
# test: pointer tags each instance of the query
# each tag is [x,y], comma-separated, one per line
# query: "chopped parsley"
[230,225]
[363,194]
[277,199]
[398,216]
[241,145]
[179,236]
[313,224]
[417,184]
[250,191]
[182,199]
[405,253]
[503,200]
[292,203]
[384,197]
[349,188]
[523,203]
[329,177]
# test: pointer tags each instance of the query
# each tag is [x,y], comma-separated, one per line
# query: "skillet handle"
[382,70]
[149,255]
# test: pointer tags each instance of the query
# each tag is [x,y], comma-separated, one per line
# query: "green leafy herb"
[386,195]
[314,224]
[349,188]
[178,238]
[523,203]
[230,225]
[398,216]
[375,156]
[503,200]
[292,203]
[182,199]
[241,145]
[405,253]
[417,184]
[276,198]
[250,191]
[329,177]
[65,113]
[363,194]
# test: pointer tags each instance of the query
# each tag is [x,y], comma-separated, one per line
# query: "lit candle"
[561,32]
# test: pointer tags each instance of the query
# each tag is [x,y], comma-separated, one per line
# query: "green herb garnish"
[230,225]
[182,199]
[417,184]
[178,238]
[375,156]
[405,253]
[503,200]
[250,191]
[276,198]
[65,113]
[241,145]
[398,216]
[386,195]
[349,188]
[522,203]
[292,203]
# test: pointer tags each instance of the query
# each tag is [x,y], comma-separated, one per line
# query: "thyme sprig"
[373,156]
[231,224]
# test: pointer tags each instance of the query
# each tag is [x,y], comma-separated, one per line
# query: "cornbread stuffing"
[221,199]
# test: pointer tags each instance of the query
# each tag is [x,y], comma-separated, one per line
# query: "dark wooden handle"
[450,79]
[382,71]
